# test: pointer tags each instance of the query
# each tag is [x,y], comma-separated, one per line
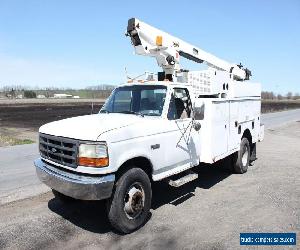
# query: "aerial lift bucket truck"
[154,130]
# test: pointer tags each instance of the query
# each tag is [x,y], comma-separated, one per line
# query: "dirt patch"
[35,115]
[19,122]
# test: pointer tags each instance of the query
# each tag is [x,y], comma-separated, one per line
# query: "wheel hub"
[134,201]
[245,156]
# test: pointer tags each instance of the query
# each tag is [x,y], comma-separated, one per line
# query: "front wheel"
[242,157]
[130,204]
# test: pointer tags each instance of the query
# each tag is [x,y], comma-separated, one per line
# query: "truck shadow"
[88,215]
[91,215]
[208,176]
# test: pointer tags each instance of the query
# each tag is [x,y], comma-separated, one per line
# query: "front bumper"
[78,186]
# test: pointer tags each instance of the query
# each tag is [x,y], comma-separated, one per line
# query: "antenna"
[127,76]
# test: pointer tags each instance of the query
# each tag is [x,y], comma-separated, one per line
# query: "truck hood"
[88,127]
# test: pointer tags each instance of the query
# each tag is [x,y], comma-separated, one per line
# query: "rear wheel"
[242,157]
[130,204]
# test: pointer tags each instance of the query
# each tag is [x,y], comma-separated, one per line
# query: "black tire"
[242,157]
[62,197]
[124,199]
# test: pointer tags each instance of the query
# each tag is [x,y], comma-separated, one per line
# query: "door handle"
[155,146]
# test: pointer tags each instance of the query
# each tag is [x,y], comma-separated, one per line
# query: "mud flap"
[253,152]
[261,133]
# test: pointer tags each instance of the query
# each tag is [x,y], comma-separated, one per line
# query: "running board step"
[184,178]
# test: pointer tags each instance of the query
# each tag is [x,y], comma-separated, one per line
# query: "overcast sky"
[81,43]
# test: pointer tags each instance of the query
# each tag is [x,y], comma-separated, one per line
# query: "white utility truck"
[152,130]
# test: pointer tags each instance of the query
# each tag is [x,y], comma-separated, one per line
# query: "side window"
[180,105]
[122,101]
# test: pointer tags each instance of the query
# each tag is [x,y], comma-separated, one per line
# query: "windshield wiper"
[153,114]
[104,111]
[132,112]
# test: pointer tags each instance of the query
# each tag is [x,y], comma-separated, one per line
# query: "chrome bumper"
[75,185]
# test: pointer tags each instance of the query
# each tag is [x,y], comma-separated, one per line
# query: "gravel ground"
[208,213]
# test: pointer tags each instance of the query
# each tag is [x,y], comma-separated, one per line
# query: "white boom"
[167,49]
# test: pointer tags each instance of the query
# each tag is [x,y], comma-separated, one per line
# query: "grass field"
[6,140]
[268,106]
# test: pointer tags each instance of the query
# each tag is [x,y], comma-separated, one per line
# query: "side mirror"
[197,126]
[198,112]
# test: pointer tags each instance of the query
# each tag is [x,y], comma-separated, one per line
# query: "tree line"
[269,95]
[19,91]
[101,91]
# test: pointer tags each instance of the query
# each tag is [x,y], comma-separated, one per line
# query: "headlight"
[93,155]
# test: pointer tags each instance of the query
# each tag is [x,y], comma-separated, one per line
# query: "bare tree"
[267,95]
[289,95]
[296,96]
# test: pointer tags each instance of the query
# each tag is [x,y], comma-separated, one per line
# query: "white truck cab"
[147,132]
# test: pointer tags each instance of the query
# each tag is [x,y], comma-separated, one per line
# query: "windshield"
[137,99]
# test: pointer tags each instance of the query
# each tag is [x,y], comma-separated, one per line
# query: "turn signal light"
[159,40]
[93,162]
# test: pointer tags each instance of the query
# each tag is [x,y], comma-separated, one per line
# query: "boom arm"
[167,50]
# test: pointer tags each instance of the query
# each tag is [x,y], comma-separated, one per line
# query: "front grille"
[59,149]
